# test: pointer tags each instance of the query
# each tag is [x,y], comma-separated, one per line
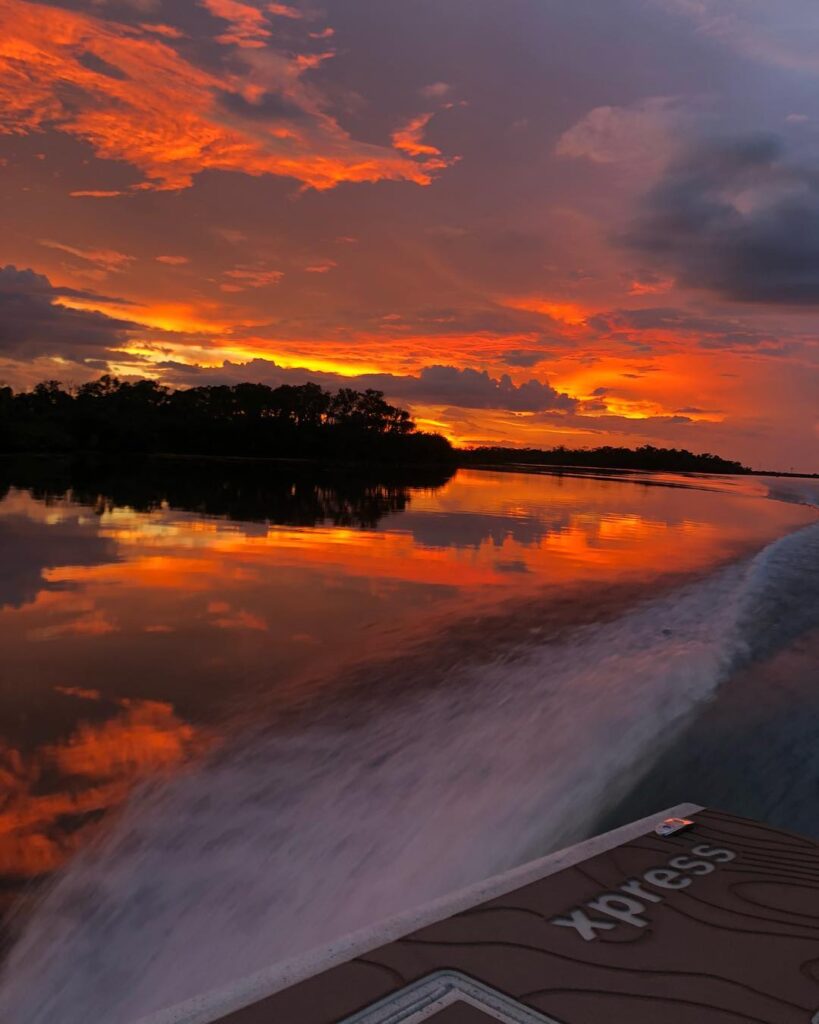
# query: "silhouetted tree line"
[109,416]
[281,494]
[607,457]
[305,421]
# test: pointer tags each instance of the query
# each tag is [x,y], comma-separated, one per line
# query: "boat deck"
[716,924]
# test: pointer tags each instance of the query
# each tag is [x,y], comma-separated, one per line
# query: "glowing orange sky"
[219,190]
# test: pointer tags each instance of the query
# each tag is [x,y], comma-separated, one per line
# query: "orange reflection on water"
[173,609]
[479,533]
[51,798]
[232,559]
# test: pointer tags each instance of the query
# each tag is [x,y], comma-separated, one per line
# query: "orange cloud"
[251,277]
[106,259]
[168,31]
[651,286]
[133,98]
[171,316]
[307,61]
[285,11]
[566,312]
[321,267]
[248,25]
[410,137]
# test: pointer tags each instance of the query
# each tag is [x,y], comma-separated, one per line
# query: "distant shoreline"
[523,467]
[458,462]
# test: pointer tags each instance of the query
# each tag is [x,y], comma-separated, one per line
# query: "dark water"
[246,708]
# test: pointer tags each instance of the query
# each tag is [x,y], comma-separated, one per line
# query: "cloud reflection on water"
[143,610]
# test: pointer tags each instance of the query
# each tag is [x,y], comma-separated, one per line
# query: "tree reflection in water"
[279,493]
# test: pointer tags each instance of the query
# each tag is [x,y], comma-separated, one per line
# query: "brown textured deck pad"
[709,939]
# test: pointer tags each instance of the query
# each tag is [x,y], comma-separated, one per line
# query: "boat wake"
[284,841]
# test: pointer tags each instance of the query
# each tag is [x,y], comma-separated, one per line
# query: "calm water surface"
[246,708]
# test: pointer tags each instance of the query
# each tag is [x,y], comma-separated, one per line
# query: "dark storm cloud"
[738,217]
[525,357]
[475,389]
[612,423]
[654,318]
[714,332]
[33,323]
[435,385]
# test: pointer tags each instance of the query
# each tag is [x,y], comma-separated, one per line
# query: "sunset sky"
[532,222]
